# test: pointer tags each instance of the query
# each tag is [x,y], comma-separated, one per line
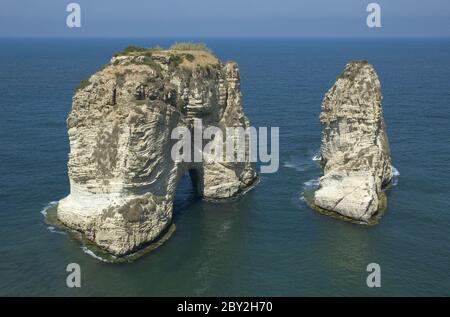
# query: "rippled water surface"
[268,242]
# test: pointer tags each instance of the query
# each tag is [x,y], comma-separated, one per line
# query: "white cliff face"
[354,151]
[122,176]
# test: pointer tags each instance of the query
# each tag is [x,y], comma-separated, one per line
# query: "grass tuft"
[190,46]
[83,84]
[137,50]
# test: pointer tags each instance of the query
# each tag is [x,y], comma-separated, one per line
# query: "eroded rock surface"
[122,176]
[354,149]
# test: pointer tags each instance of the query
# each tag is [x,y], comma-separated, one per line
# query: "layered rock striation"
[354,148]
[122,175]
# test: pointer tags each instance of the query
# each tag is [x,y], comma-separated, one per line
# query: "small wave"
[47,207]
[54,230]
[303,164]
[395,176]
[92,254]
[311,184]
[301,167]
[308,189]
[316,157]
[395,171]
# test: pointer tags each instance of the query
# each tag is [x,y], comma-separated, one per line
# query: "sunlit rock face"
[354,148]
[122,175]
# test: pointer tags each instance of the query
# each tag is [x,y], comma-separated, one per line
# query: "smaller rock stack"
[354,151]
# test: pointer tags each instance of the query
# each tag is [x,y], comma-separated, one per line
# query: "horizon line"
[193,37]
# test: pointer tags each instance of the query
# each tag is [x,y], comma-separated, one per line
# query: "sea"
[268,242]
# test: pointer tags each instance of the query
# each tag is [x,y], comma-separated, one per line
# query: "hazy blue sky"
[227,18]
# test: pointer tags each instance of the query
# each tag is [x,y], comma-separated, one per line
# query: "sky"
[225,18]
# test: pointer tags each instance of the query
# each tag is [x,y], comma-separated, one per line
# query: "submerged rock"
[122,175]
[354,151]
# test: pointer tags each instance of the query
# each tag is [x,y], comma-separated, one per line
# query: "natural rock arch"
[122,176]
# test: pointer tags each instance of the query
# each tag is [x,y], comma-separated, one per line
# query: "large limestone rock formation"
[354,151]
[122,175]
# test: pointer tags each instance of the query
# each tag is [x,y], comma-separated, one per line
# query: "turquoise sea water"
[268,242]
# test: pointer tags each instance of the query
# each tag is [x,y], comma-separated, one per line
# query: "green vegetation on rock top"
[83,84]
[185,56]
[136,50]
[179,46]
[190,46]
